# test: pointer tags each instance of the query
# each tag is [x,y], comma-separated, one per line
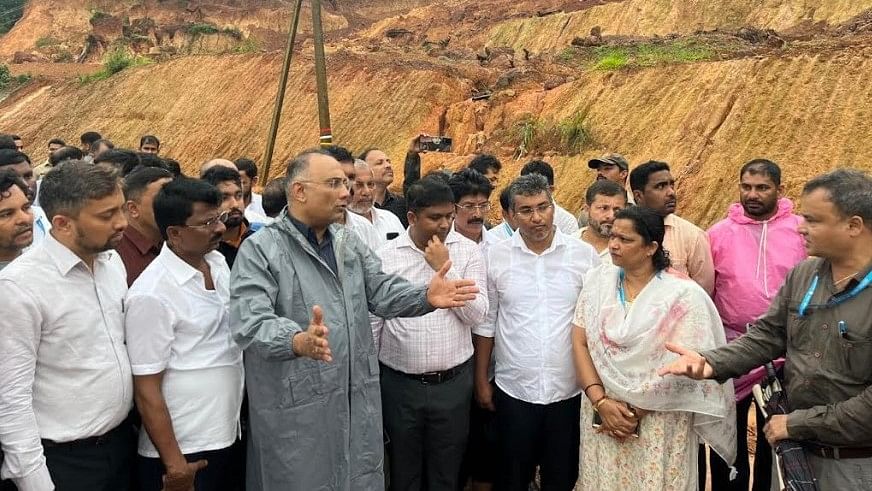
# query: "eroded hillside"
[704,89]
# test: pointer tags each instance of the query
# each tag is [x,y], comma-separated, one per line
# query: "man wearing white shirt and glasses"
[534,279]
[188,376]
[65,382]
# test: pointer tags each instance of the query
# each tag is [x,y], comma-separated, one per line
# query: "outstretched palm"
[448,294]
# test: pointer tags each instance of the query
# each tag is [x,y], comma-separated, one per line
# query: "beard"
[360,207]
[89,246]
[603,229]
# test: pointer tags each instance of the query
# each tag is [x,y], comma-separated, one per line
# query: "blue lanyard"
[621,295]
[838,299]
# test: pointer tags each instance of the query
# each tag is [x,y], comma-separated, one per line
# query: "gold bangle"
[600,403]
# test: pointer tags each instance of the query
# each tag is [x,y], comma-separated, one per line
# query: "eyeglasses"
[334,183]
[527,211]
[469,207]
[212,222]
[364,185]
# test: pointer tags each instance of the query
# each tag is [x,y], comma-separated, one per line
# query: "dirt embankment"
[785,79]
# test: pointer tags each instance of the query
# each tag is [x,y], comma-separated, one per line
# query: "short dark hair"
[7,143]
[640,175]
[12,157]
[850,191]
[529,185]
[300,164]
[65,153]
[504,199]
[763,167]
[104,141]
[247,165]
[173,166]
[9,178]
[649,224]
[66,189]
[603,187]
[136,182]
[484,162]
[429,191]
[124,160]
[275,196]
[540,167]
[57,141]
[341,154]
[174,204]
[90,137]
[365,153]
[469,182]
[149,139]
[218,174]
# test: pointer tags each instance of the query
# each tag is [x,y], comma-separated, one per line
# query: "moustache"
[475,221]
[23,230]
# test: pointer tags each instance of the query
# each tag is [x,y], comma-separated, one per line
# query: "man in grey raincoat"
[301,291]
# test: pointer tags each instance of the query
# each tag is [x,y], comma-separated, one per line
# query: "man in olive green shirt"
[821,321]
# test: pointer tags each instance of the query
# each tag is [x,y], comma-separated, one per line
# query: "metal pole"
[321,76]
[280,95]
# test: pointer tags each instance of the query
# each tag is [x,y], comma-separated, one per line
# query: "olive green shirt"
[827,375]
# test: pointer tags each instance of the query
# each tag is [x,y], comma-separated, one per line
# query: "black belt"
[838,453]
[434,378]
[93,441]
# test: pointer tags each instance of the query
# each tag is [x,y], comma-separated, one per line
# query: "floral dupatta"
[627,346]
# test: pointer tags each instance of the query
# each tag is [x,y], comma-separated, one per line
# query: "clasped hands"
[619,419]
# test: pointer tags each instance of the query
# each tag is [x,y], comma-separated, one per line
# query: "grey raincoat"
[313,425]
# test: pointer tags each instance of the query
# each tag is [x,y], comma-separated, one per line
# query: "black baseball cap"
[609,159]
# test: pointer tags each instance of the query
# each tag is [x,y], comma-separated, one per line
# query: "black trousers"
[480,459]
[88,466]
[762,457]
[533,435]
[427,425]
[219,474]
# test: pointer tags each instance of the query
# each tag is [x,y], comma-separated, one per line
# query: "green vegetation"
[202,28]
[96,15]
[10,12]
[114,62]
[570,136]
[46,42]
[232,32]
[650,54]
[249,45]
[7,80]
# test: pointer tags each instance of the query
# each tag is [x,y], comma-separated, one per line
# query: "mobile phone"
[435,144]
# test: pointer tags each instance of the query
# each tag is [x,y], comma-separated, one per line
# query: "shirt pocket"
[798,334]
[852,358]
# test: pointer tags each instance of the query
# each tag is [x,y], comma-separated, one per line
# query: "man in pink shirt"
[753,250]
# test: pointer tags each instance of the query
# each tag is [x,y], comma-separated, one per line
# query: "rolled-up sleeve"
[488,327]
[474,312]
[253,292]
[20,334]
[148,328]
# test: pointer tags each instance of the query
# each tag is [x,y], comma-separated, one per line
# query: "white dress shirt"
[532,302]
[41,227]
[365,230]
[604,255]
[176,326]
[256,204]
[441,339]
[385,222]
[502,231]
[566,222]
[64,371]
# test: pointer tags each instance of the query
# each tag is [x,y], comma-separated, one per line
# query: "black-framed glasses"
[212,222]
[334,183]
[527,211]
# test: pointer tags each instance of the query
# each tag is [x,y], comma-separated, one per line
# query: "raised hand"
[690,364]
[181,478]
[436,253]
[448,294]
[313,342]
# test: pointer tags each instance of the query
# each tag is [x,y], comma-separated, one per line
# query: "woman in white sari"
[648,427]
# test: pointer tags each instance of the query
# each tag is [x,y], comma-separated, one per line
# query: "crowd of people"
[170,332]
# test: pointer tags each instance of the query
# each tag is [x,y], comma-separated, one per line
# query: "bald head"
[214,163]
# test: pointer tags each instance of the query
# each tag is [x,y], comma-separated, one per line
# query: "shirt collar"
[64,258]
[181,271]
[405,240]
[558,241]
[142,243]
[307,231]
[670,220]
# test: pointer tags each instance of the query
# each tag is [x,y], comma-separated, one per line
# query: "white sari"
[627,346]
